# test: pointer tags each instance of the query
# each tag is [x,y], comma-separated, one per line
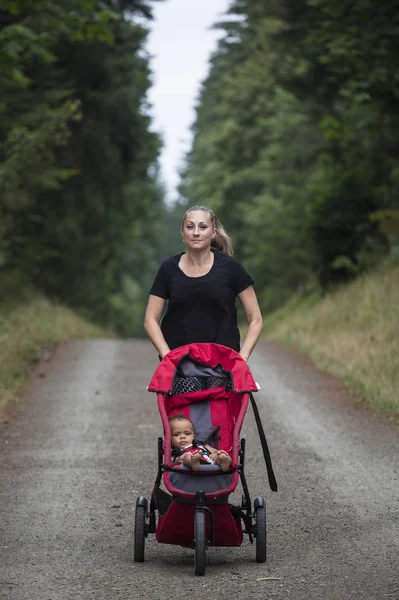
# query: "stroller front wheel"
[199,542]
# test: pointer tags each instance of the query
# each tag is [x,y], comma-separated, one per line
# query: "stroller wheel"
[139,532]
[200,542]
[260,530]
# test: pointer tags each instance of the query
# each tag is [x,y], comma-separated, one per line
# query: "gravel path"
[74,457]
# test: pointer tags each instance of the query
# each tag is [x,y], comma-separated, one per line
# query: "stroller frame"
[200,505]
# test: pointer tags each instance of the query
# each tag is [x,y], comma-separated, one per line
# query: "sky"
[180,44]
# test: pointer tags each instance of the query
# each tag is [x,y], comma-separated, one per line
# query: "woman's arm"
[152,318]
[255,324]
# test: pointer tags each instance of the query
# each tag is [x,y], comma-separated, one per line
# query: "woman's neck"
[200,258]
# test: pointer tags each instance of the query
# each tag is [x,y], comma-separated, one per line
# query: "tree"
[288,137]
[82,185]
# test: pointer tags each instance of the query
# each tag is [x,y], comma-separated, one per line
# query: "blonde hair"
[221,242]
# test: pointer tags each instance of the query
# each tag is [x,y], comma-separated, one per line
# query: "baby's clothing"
[193,448]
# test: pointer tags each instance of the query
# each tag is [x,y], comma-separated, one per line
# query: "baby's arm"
[211,450]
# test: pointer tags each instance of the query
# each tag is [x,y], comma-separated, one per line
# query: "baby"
[182,430]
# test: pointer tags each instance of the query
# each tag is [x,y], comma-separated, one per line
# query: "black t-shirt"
[201,309]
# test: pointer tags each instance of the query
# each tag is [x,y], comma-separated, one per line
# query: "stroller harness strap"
[265,447]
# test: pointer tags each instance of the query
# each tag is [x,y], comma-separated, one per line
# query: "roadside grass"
[28,329]
[352,333]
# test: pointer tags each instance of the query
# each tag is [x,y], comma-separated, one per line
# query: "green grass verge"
[27,327]
[352,333]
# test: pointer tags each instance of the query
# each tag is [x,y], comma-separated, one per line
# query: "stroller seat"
[210,412]
[204,395]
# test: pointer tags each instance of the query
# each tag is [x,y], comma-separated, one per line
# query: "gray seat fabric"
[208,483]
[189,368]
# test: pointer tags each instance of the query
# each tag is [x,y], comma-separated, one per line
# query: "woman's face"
[197,230]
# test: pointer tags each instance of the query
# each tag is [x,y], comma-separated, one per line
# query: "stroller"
[211,385]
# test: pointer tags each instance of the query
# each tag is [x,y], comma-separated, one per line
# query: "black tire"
[139,533]
[260,533]
[200,542]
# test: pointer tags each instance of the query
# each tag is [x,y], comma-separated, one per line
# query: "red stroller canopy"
[210,354]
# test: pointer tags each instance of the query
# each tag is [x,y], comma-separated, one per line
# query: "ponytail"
[221,242]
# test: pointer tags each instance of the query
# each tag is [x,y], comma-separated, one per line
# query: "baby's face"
[182,433]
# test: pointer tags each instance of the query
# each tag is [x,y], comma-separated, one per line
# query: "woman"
[201,286]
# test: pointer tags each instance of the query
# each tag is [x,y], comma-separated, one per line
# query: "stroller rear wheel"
[140,532]
[200,542]
[260,530]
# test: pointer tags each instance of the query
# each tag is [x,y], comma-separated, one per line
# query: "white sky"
[180,44]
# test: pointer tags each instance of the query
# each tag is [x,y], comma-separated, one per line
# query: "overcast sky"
[180,44]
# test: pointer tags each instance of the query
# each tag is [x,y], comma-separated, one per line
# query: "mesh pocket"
[213,381]
[183,385]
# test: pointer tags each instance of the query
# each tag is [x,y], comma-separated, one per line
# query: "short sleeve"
[241,279]
[160,286]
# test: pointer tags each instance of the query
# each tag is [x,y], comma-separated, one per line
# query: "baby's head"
[182,431]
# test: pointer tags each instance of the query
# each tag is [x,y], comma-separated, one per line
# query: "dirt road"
[83,446]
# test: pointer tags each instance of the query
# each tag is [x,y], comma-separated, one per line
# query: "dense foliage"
[296,139]
[78,160]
